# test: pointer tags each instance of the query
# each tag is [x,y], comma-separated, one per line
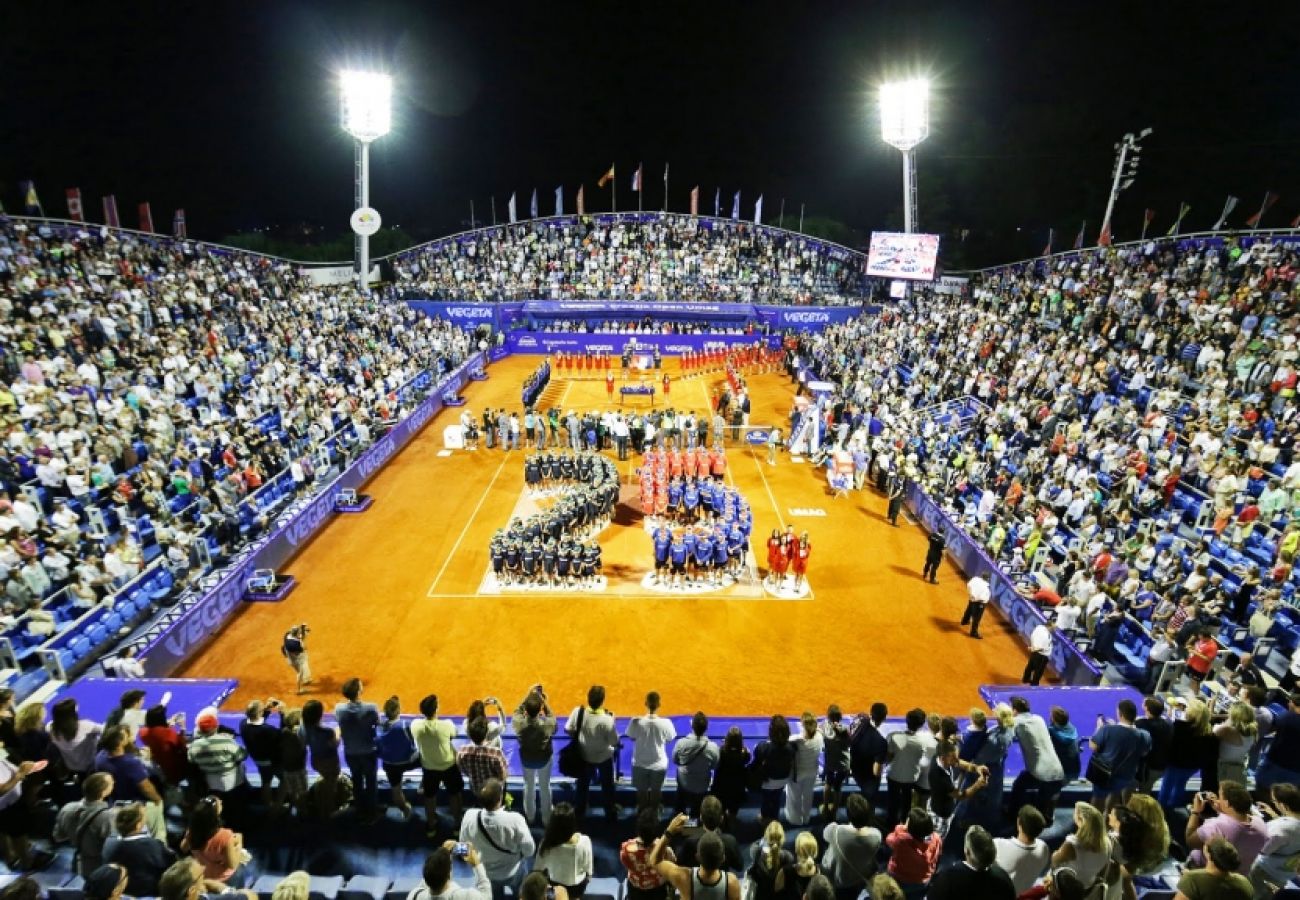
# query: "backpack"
[396,744]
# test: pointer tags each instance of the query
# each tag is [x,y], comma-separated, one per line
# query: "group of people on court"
[556,547]
[705,553]
[786,555]
[682,483]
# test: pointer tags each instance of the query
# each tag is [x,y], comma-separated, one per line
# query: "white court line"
[469,522]
[775,506]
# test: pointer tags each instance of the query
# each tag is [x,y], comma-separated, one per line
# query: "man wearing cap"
[217,755]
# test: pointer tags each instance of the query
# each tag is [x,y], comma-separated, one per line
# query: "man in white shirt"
[1040,653]
[650,734]
[910,754]
[977,592]
[1025,857]
[501,837]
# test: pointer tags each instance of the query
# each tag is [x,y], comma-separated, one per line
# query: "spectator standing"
[217,755]
[773,764]
[803,781]
[1120,747]
[593,726]
[397,752]
[696,757]
[1192,748]
[650,734]
[502,837]
[1043,775]
[262,741]
[478,761]
[131,779]
[357,722]
[910,752]
[868,750]
[323,748]
[437,762]
[1237,738]
[76,739]
[534,726]
[835,769]
[1161,731]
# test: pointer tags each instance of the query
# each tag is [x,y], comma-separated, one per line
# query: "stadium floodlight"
[1127,154]
[367,114]
[905,123]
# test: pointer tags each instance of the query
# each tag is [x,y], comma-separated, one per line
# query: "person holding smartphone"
[437,875]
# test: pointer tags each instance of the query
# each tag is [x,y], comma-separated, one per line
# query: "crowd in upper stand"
[668,257]
[1138,416]
[166,381]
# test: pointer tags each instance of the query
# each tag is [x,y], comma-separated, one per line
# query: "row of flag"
[1149,216]
[77,213]
[608,179]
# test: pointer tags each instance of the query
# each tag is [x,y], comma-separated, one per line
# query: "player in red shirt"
[799,559]
[773,549]
[668,382]
[609,385]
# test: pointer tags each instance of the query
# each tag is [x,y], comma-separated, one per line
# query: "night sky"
[230,110]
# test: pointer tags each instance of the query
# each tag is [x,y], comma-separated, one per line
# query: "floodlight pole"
[909,190]
[361,197]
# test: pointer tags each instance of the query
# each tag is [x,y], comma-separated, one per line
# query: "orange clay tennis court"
[395,595]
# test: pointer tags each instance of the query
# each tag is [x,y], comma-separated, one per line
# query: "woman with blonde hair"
[1236,738]
[771,860]
[294,886]
[985,807]
[1192,747]
[884,887]
[805,866]
[1155,849]
[803,780]
[1088,850]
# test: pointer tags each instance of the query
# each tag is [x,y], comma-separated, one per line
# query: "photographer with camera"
[437,875]
[294,648]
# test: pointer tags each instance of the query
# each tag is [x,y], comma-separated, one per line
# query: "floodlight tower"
[905,123]
[367,116]
[1127,154]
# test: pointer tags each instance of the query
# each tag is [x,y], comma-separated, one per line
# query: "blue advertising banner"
[467,315]
[806,318]
[551,309]
[613,344]
[1068,661]
[183,631]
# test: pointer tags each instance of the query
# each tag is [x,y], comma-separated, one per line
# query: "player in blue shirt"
[691,500]
[675,498]
[721,554]
[703,557]
[677,554]
[662,539]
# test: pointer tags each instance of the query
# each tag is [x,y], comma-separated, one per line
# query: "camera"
[304,629]
[461,850]
[692,823]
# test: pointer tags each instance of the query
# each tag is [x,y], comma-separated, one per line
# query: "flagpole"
[665,187]
[640,187]
[801,218]
[781,221]
[1145,223]
[1259,216]
[613,189]
[471,213]
[493,199]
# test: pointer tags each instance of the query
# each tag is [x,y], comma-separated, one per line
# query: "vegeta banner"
[613,344]
[1072,666]
[806,318]
[470,315]
[577,309]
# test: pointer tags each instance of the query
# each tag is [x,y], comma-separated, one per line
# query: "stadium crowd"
[161,383]
[913,809]
[672,257]
[1131,455]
